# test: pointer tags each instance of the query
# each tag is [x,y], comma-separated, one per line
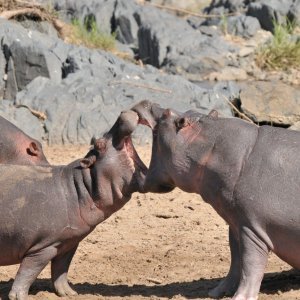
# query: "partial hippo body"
[46,211]
[16,147]
[250,175]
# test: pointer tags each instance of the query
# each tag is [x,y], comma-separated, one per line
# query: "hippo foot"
[226,287]
[63,289]
[18,295]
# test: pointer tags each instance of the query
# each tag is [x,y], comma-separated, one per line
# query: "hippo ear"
[100,145]
[181,122]
[93,141]
[88,161]
[33,149]
[213,114]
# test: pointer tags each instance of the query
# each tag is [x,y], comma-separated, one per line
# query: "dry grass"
[282,52]
[91,37]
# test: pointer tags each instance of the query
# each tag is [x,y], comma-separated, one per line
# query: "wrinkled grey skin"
[46,211]
[250,175]
[16,147]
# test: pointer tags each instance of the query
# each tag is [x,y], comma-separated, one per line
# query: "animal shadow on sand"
[272,284]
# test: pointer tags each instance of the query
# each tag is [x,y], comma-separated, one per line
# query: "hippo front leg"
[59,272]
[30,268]
[254,255]
[229,284]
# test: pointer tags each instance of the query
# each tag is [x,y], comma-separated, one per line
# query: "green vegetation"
[224,24]
[282,52]
[89,35]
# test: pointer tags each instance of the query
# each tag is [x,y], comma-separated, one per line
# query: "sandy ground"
[171,246]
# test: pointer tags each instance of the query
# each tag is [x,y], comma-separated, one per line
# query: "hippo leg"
[229,284]
[59,272]
[29,269]
[254,255]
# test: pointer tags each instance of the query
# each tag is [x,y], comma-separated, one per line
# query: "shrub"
[282,52]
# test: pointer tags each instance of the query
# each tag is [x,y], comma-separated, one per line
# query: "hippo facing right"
[47,210]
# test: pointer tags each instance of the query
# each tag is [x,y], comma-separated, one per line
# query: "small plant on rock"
[282,52]
[89,35]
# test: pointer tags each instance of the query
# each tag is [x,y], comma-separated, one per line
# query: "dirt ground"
[171,246]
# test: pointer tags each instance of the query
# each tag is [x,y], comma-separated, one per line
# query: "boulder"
[28,55]
[271,102]
[81,90]
[170,43]
[86,12]
[124,23]
[99,86]
[244,26]
[295,126]
[159,37]
[269,11]
[294,12]
[225,6]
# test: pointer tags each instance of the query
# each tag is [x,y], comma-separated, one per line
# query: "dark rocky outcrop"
[82,90]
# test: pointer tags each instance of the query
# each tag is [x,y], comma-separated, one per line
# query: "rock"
[271,102]
[246,51]
[268,11]
[100,11]
[82,91]
[23,119]
[221,8]
[295,126]
[294,12]
[40,26]
[124,23]
[182,4]
[264,11]
[244,26]
[227,6]
[228,74]
[170,43]
[87,100]
[28,55]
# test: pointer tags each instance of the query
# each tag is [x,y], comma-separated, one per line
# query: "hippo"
[47,210]
[250,175]
[16,147]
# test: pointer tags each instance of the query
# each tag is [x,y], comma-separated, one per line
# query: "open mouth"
[148,113]
[132,153]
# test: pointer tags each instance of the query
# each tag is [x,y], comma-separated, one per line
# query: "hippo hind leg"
[30,268]
[229,284]
[59,271]
[254,255]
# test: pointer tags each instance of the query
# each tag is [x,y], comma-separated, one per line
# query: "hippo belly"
[286,243]
[268,197]
[33,214]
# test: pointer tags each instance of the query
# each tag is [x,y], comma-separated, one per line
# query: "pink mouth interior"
[132,153]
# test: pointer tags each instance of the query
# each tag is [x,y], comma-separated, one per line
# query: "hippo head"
[158,179]
[22,150]
[116,169]
[179,144]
